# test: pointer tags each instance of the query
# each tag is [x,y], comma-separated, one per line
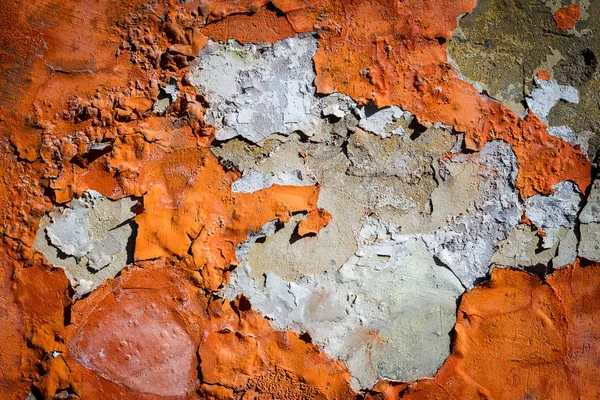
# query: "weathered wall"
[300,199]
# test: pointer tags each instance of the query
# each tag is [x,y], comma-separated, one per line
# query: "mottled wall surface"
[300,199]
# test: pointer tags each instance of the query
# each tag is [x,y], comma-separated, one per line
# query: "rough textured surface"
[466,247]
[247,86]
[536,250]
[387,312]
[354,166]
[545,96]
[92,239]
[558,209]
[589,246]
[468,244]
[392,177]
[521,38]
[540,332]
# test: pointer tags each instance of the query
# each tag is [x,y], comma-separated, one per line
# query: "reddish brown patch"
[138,336]
[16,360]
[567,17]
[314,222]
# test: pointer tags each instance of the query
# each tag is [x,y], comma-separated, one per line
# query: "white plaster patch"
[380,121]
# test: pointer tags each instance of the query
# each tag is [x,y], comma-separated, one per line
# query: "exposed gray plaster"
[566,134]
[387,312]
[589,229]
[468,245]
[567,250]
[252,180]
[558,209]
[90,238]
[255,90]
[547,94]
[382,121]
[591,211]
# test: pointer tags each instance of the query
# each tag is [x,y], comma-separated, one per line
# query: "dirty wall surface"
[300,199]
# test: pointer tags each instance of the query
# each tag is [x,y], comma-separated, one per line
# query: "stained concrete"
[388,309]
[526,248]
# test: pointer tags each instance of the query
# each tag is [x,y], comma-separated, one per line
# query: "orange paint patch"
[567,17]
[50,58]
[314,222]
[34,298]
[194,212]
[543,75]
[189,210]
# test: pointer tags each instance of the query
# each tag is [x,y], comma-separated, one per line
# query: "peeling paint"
[589,245]
[252,199]
[386,313]
[247,85]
